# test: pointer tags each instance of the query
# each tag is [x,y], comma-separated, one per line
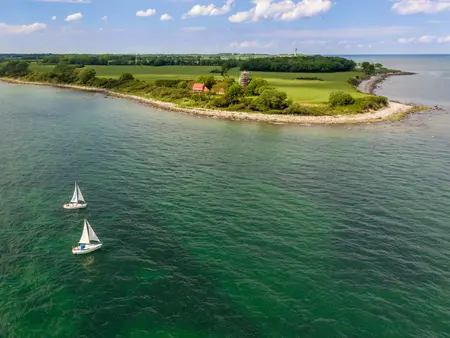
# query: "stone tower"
[244,78]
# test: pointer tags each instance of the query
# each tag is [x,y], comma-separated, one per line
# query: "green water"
[217,228]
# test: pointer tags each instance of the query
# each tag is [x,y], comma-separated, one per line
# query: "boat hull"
[71,206]
[87,249]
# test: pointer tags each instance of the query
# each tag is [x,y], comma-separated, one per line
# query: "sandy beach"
[393,110]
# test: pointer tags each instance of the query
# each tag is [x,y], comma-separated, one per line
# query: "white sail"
[75,194]
[85,235]
[80,196]
[92,235]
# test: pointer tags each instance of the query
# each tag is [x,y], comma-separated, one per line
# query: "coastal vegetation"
[302,91]
[329,94]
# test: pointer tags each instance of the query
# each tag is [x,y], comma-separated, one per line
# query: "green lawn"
[304,91]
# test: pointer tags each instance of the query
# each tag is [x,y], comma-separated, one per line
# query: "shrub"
[177,94]
[168,82]
[216,71]
[354,81]
[271,99]
[371,102]
[234,93]
[309,78]
[208,80]
[338,99]
[220,102]
[86,74]
[126,77]
[37,76]
[296,109]
[182,84]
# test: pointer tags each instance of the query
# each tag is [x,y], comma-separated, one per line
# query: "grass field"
[302,91]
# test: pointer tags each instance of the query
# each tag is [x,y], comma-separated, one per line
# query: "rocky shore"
[369,86]
[394,110]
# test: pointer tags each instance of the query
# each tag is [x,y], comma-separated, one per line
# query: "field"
[302,91]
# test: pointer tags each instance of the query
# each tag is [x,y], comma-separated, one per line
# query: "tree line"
[144,60]
[300,64]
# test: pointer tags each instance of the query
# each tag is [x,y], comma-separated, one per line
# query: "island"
[308,89]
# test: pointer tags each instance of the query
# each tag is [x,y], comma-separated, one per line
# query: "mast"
[75,194]
[85,235]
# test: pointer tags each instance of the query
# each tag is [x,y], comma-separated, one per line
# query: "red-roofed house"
[200,88]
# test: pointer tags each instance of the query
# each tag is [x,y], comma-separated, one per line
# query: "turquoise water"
[218,228]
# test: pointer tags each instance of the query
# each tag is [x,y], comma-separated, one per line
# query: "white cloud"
[166,17]
[405,7]
[105,18]
[444,39]
[74,17]
[68,1]
[285,10]
[194,28]
[53,17]
[338,33]
[22,29]
[426,39]
[345,42]
[311,42]
[208,10]
[148,12]
[252,44]
[406,40]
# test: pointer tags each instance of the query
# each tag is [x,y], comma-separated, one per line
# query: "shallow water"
[219,228]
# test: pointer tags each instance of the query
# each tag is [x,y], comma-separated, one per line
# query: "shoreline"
[393,111]
[368,86]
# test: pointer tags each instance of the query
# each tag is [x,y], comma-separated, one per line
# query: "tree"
[64,73]
[86,74]
[256,86]
[272,99]
[14,68]
[208,80]
[225,68]
[234,93]
[368,68]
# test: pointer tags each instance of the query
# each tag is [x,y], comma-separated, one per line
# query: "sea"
[215,228]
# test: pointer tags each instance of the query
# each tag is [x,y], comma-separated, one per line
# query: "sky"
[219,26]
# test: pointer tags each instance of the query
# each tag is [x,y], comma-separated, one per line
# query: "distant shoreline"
[394,111]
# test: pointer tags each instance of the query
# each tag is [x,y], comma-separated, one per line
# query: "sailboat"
[77,201]
[88,242]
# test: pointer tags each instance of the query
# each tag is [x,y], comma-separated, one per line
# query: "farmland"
[301,91]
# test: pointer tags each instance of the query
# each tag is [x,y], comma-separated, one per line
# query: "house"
[199,88]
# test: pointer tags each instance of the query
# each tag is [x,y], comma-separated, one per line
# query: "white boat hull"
[87,249]
[75,205]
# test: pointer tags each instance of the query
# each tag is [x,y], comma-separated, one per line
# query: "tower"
[244,79]
[295,52]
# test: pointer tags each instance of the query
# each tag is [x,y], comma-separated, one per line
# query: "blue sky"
[212,26]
